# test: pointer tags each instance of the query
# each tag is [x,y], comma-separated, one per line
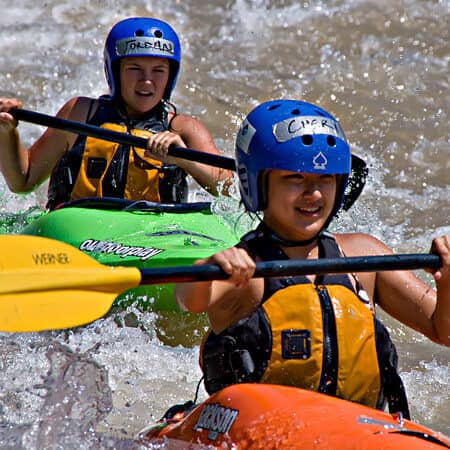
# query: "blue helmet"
[289,135]
[141,36]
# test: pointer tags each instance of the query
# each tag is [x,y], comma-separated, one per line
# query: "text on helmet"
[144,45]
[299,126]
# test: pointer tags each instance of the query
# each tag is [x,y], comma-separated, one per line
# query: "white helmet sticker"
[299,126]
[245,135]
[320,161]
[143,45]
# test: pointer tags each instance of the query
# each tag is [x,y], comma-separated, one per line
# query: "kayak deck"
[263,416]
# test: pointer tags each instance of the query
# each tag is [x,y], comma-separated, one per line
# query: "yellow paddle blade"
[46,284]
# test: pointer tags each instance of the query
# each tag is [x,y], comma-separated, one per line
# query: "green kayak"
[141,234]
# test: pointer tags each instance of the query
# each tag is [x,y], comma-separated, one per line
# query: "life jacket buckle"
[242,365]
[296,344]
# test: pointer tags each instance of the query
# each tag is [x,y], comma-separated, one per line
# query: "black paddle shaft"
[296,267]
[86,129]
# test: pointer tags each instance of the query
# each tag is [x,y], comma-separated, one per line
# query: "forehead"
[278,173]
[148,61]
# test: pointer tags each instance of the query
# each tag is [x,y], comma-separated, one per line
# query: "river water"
[382,67]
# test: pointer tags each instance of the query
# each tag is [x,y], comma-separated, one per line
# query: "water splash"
[73,397]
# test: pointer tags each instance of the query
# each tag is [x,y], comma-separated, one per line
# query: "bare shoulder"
[77,108]
[360,244]
[193,132]
[184,122]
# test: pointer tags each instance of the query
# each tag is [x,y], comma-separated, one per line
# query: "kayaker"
[142,62]
[314,332]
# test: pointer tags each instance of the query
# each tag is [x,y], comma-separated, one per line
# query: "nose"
[146,76]
[312,191]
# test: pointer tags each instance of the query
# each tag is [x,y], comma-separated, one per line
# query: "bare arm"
[404,296]
[25,169]
[189,132]
[441,314]
[225,301]
[14,161]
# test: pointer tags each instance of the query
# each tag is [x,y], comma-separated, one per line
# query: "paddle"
[121,138]
[46,284]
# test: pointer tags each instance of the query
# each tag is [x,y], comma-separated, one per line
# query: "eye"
[295,177]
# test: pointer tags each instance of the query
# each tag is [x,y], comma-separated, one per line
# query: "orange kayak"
[262,416]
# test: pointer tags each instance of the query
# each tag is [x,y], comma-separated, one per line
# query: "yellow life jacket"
[142,174]
[98,168]
[321,336]
[306,321]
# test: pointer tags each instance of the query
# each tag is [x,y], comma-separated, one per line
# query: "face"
[298,204]
[143,81]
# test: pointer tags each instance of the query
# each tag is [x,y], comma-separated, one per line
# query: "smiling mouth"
[310,211]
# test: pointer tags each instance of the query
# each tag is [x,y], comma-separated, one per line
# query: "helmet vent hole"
[295,112]
[157,33]
[331,141]
[273,107]
[139,33]
[307,139]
